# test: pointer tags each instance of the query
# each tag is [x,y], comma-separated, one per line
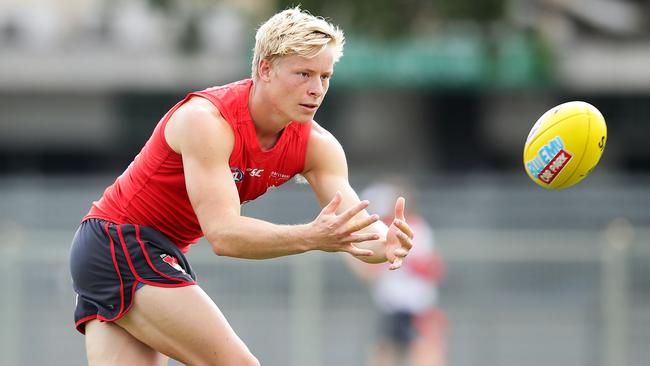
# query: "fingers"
[405,240]
[358,238]
[358,252]
[334,204]
[399,208]
[404,227]
[361,224]
[401,253]
[353,211]
[397,263]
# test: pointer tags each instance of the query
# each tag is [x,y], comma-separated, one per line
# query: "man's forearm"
[249,238]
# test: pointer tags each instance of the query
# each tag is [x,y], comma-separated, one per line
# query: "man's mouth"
[309,105]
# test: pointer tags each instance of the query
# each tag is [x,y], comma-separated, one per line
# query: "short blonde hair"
[295,32]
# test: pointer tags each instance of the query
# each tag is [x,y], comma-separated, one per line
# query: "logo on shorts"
[172,261]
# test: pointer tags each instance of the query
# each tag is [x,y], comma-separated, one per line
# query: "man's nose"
[316,87]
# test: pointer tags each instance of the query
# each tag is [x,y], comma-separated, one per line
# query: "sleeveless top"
[152,191]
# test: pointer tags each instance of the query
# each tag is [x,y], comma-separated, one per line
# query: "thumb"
[400,208]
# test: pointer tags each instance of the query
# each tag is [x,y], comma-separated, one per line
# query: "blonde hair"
[295,32]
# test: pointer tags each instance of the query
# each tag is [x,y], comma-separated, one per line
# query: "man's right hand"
[330,232]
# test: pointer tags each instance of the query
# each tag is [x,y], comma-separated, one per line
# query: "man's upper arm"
[326,168]
[204,139]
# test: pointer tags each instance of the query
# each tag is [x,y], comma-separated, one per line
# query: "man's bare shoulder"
[197,106]
[323,150]
[196,116]
[320,134]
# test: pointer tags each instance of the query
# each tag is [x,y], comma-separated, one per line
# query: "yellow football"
[565,144]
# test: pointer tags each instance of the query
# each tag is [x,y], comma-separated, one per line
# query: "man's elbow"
[220,246]
[218,249]
[219,237]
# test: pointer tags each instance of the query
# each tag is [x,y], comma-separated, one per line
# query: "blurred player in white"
[412,326]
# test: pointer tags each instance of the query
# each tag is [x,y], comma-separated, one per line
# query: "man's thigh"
[109,344]
[185,324]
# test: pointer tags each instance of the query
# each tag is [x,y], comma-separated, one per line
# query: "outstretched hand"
[338,233]
[399,239]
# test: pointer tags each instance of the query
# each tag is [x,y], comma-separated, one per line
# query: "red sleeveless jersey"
[152,190]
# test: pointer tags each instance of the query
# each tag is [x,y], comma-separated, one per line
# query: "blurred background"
[439,92]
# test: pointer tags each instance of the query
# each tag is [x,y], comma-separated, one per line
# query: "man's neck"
[267,121]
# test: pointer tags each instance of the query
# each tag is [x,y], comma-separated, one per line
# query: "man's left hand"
[399,239]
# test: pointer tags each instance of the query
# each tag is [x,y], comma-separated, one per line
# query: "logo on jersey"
[254,172]
[237,174]
[277,179]
[172,261]
[280,175]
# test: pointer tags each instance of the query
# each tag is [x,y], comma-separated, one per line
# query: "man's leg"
[108,344]
[185,324]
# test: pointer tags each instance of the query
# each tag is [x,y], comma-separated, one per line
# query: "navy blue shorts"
[108,262]
[399,328]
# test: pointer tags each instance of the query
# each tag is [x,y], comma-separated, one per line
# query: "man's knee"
[245,359]
[249,360]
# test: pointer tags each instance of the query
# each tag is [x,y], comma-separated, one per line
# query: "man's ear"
[264,69]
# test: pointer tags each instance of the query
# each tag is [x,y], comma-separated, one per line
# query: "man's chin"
[303,118]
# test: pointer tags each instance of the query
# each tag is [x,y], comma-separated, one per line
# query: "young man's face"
[298,84]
